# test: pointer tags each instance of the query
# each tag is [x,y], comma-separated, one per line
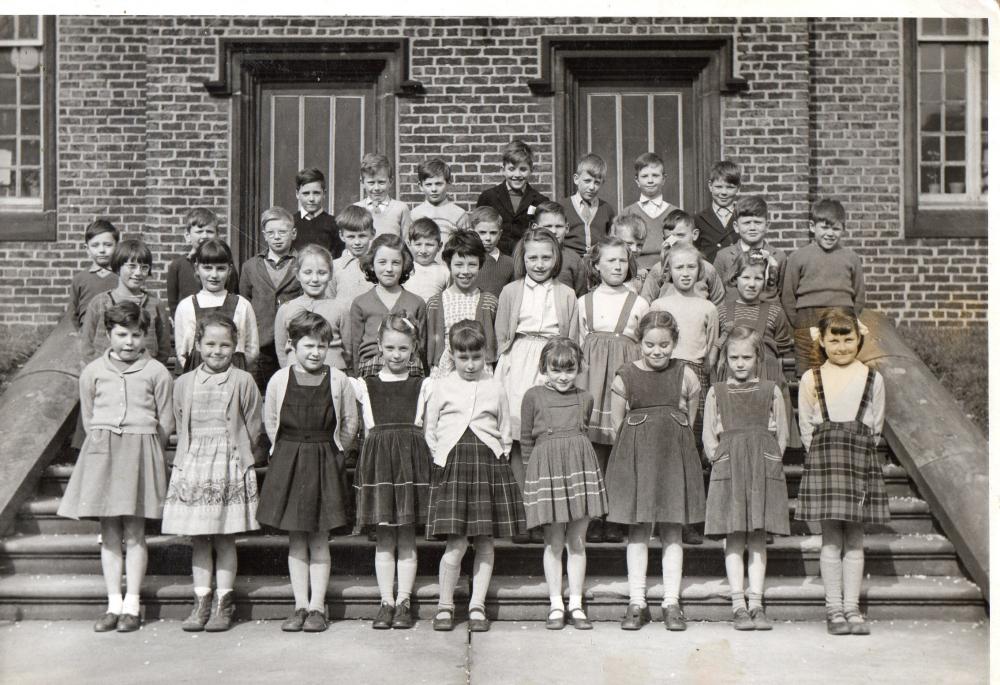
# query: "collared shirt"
[495,254]
[99,270]
[538,310]
[203,376]
[136,399]
[587,212]
[376,207]
[306,215]
[348,280]
[722,213]
[278,265]
[653,206]
[275,261]
[455,404]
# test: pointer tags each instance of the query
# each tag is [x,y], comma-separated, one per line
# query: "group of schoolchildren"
[527,365]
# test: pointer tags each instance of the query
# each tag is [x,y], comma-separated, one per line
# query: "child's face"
[826,233]
[628,237]
[751,230]
[100,247]
[216,348]
[539,258]
[612,265]
[213,276]
[279,235]
[517,175]
[388,266]
[469,364]
[132,275]
[723,192]
[196,235]
[464,270]
[425,250]
[435,189]
[377,185]
[741,356]
[396,349]
[311,353]
[841,348]
[127,342]
[750,283]
[314,275]
[562,380]
[657,345]
[554,223]
[489,234]
[311,197]
[357,241]
[685,231]
[683,271]
[587,185]
[650,180]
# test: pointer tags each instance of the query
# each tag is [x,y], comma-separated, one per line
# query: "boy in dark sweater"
[715,223]
[101,237]
[588,217]
[497,269]
[514,199]
[182,278]
[312,222]
[822,274]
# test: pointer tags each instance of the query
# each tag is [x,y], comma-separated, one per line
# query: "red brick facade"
[140,140]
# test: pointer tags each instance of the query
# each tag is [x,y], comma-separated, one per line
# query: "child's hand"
[641,275]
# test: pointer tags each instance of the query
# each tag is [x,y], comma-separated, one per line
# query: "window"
[27,113]
[947,121]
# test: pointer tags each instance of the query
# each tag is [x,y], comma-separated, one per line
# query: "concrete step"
[509,598]
[926,554]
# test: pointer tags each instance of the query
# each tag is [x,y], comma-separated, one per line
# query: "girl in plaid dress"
[841,410]
[473,491]
[393,473]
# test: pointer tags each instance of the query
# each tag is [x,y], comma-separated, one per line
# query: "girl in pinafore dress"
[214,262]
[564,486]
[120,476]
[213,486]
[464,255]
[311,417]
[608,318]
[654,475]
[473,491]
[532,309]
[745,436]
[393,473]
[841,410]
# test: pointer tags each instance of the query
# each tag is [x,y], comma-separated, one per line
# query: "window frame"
[938,215]
[36,223]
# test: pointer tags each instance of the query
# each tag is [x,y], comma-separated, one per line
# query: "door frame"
[246,65]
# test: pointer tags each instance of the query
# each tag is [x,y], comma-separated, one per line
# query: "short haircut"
[467,335]
[425,228]
[432,168]
[463,244]
[480,215]
[550,207]
[354,218]
[518,152]
[647,159]
[99,226]
[593,165]
[675,217]
[309,324]
[741,334]
[725,171]
[130,250]
[275,214]
[828,210]
[751,258]
[607,242]
[560,354]
[750,205]
[127,314]
[682,248]
[392,242]
[657,318]
[372,163]
[213,251]
[536,235]
[633,223]
[311,175]
[317,251]
[215,319]
[839,321]
[200,216]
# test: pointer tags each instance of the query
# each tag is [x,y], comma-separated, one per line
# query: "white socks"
[854,570]
[115,604]
[131,605]
[385,574]
[202,591]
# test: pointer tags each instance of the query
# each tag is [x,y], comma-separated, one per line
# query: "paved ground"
[65,652]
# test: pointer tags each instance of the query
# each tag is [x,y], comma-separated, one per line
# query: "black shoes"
[635,617]
[402,618]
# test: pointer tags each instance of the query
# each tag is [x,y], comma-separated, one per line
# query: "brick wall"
[140,140]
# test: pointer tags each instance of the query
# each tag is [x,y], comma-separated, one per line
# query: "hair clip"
[814,333]
[862,329]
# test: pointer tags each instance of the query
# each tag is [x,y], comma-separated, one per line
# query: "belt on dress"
[305,436]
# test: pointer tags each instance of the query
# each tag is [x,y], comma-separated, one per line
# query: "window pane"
[8,122]
[930,27]
[6,27]
[930,57]
[930,116]
[31,93]
[956,27]
[982,27]
[31,121]
[954,117]
[31,152]
[27,27]
[954,85]
[6,63]
[954,148]
[930,87]
[954,180]
[30,183]
[8,91]
[954,57]
[7,156]
[26,59]
[930,179]
[930,149]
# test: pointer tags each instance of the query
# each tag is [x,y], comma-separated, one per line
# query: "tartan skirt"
[372,365]
[563,482]
[842,477]
[474,493]
[392,479]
